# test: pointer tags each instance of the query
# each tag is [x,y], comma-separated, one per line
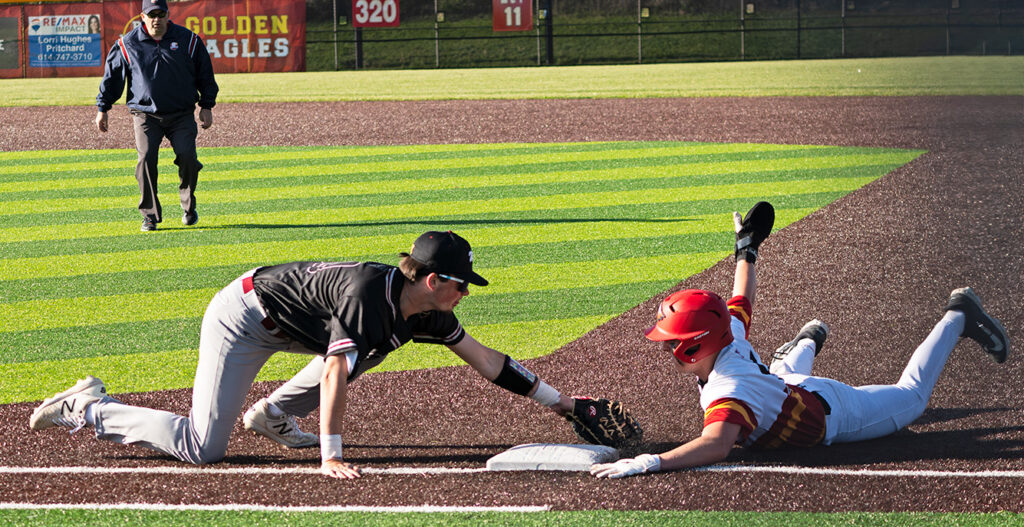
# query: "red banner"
[375,13]
[241,35]
[512,15]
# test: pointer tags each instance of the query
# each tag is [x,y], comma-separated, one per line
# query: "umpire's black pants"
[180,128]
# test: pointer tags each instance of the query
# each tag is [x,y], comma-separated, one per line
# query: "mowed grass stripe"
[261,253]
[381,175]
[71,160]
[366,183]
[215,213]
[218,215]
[107,284]
[84,173]
[135,372]
[384,159]
[123,337]
[297,184]
[278,175]
[669,167]
[174,235]
[34,315]
[516,204]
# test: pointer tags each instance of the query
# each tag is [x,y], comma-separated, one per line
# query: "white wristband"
[546,395]
[330,446]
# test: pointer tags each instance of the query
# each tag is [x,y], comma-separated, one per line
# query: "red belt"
[267,322]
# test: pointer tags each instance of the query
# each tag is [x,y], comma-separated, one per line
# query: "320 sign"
[513,15]
[374,13]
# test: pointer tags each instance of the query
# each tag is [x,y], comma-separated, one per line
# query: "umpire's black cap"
[445,253]
[153,5]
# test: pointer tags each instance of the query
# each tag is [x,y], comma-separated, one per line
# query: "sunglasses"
[157,14]
[463,286]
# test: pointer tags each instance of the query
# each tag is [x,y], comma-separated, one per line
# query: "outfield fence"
[459,33]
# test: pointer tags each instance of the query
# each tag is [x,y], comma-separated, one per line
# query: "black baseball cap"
[445,253]
[153,5]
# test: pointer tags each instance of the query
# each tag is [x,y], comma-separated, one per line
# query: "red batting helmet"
[698,319]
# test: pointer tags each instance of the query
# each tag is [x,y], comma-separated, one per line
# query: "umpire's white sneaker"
[979,326]
[281,429]
[67,408]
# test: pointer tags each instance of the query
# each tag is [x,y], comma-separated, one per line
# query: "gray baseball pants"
[181,130]
[233,346]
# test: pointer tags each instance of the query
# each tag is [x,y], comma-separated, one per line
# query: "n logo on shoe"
[282,428]
[67,406]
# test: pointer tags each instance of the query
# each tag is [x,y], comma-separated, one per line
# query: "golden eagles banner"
[72,39]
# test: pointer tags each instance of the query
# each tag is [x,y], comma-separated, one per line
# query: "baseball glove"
[604,422]
[753,229]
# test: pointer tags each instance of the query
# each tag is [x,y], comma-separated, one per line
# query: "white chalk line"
[190,470]
[266,508]
[244,471]
[417,471]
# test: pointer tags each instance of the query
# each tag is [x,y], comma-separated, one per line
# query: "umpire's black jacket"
[163,77]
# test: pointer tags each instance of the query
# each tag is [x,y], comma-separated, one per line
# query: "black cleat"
[980,326]
[148,224]
[190,218]
[815,330]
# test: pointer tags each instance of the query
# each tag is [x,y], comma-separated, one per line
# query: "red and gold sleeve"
[741,308]
[731,411]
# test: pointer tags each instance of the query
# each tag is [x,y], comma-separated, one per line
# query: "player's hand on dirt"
[206,118]
[337,468]
[101,121]
[627,467]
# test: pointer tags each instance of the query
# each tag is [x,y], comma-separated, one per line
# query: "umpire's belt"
[266,322]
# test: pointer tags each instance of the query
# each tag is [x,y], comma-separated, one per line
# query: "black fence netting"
[461,33]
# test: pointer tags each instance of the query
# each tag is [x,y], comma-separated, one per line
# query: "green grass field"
[889,76]
[570,235]
[84,291]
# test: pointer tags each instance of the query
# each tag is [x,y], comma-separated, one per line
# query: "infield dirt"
[877,265]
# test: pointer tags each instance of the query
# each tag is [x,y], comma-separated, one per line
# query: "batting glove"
[627,467]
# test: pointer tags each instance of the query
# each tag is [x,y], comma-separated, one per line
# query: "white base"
[550,456]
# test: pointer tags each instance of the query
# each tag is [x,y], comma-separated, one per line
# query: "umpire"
[167,70]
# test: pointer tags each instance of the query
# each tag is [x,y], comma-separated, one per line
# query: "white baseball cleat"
[283,430]
[67,408]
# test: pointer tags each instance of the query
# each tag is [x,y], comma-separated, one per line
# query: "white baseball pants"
[868,412]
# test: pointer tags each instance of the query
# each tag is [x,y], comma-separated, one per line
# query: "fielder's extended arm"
[509,374]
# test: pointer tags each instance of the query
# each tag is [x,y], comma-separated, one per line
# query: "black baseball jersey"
[336,307]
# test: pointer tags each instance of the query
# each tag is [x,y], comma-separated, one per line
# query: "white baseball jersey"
[741,390]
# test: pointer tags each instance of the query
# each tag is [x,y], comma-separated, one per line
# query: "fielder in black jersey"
[334,308]
[350,315]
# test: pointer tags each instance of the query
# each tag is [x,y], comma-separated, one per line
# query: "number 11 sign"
[513,15]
